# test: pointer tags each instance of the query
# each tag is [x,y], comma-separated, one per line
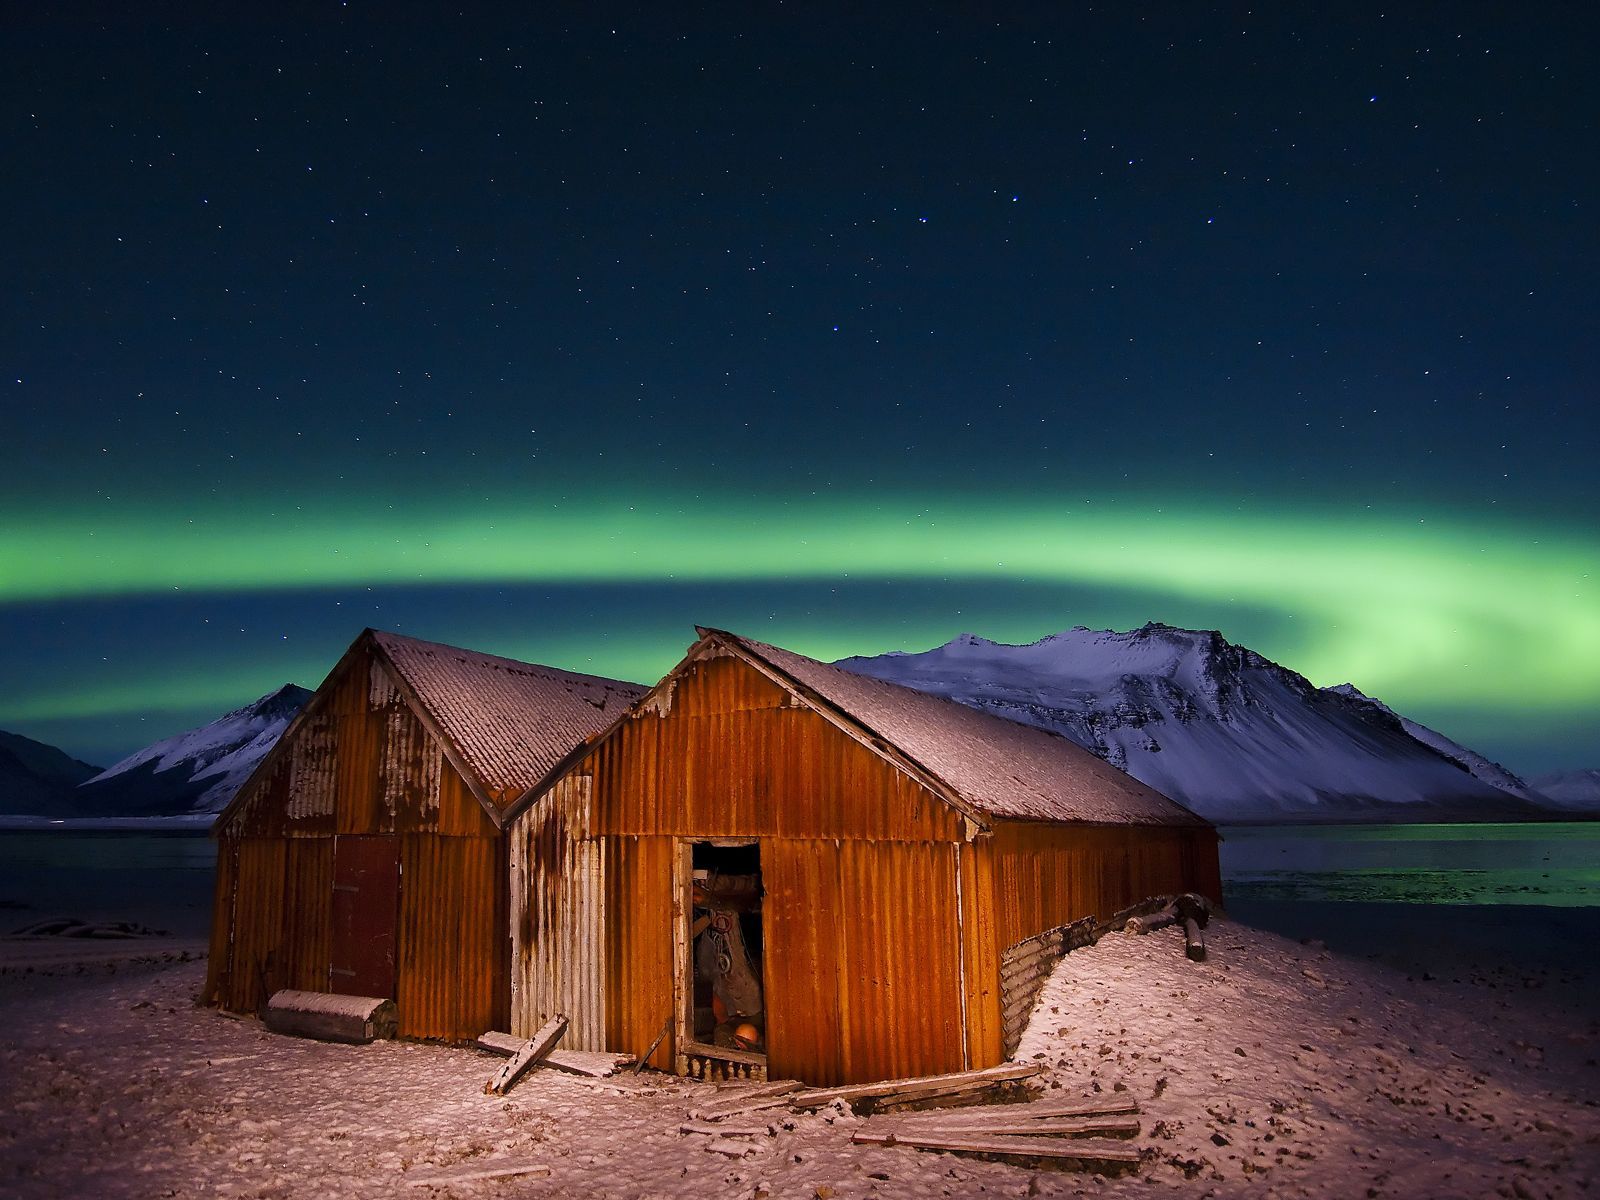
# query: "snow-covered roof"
[999,767]
[509,722]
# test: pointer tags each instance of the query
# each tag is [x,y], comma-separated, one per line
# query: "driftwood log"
[354,1020]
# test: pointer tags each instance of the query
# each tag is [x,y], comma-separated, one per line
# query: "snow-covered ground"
[1273,1069]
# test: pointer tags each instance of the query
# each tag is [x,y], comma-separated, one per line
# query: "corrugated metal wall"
[734,758]
[638,945]
[360,762]
[863,971]
[558,896]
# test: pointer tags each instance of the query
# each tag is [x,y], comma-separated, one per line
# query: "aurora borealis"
[553,337]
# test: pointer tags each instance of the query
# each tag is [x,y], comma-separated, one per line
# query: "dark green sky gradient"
[1280,323]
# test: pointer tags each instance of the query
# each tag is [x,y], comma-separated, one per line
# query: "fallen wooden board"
[355,1020]
[1065,1127]
[941,1084]
[715,1130]
[466,1174]
[532,1051]
[753,1100]
[1089,1155]
[1038,1110]
[596,1064]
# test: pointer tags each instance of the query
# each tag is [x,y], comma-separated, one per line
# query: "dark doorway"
[366,901]
[726,956]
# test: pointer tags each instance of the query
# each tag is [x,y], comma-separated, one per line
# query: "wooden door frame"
[683,1040]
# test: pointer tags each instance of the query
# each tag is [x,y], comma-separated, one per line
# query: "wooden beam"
[1091,1156]
[1012,1072]
[532,1051]
[451,1175]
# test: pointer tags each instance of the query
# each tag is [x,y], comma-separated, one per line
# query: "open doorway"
[725,977]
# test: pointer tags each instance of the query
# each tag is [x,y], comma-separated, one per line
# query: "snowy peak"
[1471,761]
[1578,789]
[1216,726]
[196,771]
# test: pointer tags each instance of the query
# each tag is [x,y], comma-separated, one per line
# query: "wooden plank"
[481,1171]
[595,1064]
[717,1130]
[1037,1110]
[1088,1155]
[749,1100]
[961,1122]
[500,1043]
[817,1097]
[532,1051]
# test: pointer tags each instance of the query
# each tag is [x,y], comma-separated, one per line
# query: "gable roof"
[508,722]
[982,765]
[502,723]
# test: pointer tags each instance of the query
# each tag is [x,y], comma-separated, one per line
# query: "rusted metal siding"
[224,890]
[451,938]
[256,952]
[862,962]
[727,753]
[558,898]
[361,764]
[638,945]
[980,952]
[307,912]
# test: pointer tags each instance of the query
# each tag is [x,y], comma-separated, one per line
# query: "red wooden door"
[366,902]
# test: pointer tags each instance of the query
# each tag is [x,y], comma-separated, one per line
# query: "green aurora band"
[1474,615]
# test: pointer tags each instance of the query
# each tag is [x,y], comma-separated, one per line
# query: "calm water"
[159,879]
[164,878]
[1554,864]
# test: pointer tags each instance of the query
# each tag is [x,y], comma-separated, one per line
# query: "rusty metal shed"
[365,855]
[902,842]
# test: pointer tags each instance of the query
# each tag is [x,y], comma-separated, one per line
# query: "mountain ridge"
[1217,726]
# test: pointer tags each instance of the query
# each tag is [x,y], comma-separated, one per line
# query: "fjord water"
[160,878]
[1544,863]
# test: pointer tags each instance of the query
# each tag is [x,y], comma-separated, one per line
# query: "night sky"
[554,334]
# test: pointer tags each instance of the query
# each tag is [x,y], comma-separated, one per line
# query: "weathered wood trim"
[682,953]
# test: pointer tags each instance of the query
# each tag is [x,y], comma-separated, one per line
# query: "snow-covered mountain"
[1216,726]
[36,779]
[1483,768]
[1578,789]
[197,771]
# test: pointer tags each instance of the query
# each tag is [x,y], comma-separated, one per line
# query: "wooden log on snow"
[1085,1155]
[535,1048]
[959,1080]
[1194,942]
[1153,921]
[354,1020]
